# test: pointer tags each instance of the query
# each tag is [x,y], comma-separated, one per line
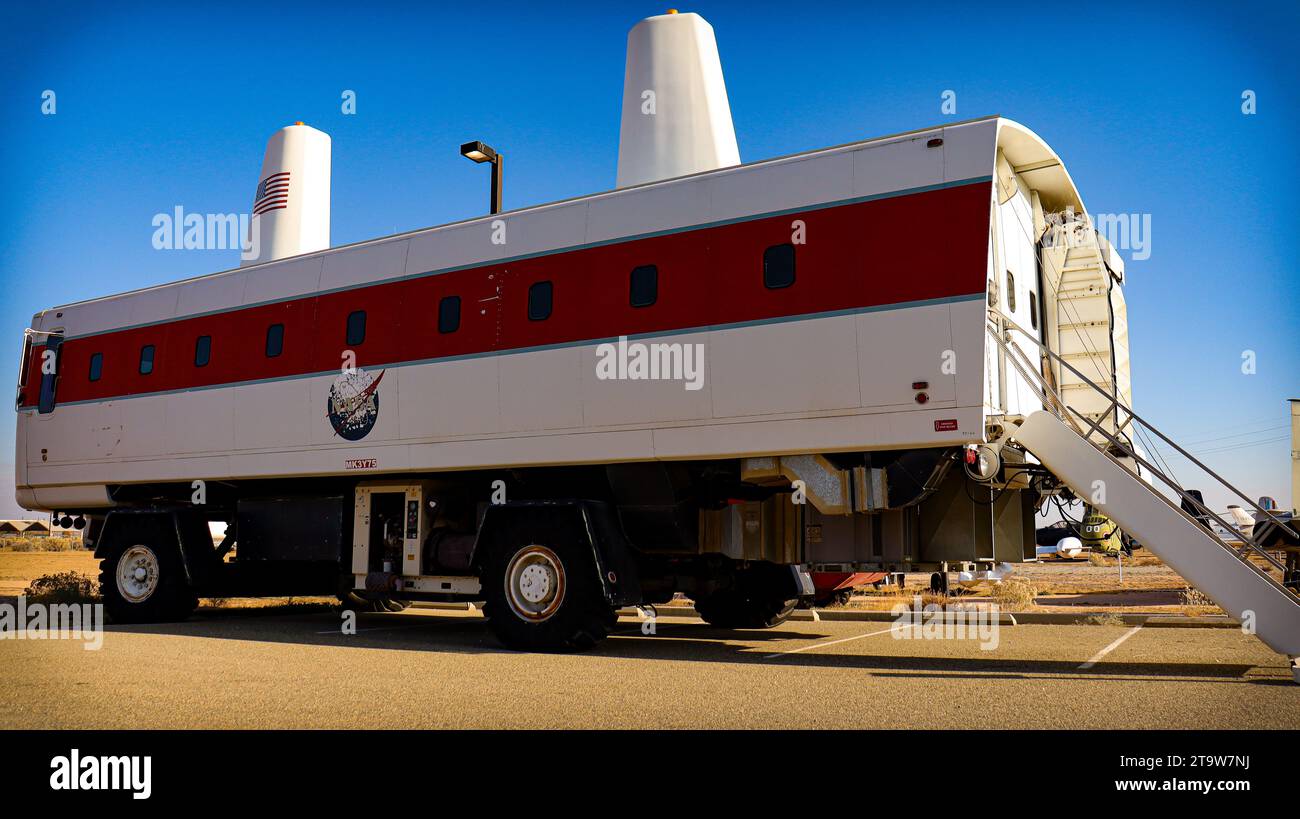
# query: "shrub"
[63,587]
[1193,597]
[32,543]
[1015,594]
[1108,618]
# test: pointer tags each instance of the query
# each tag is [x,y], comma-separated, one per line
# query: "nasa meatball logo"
[354,404]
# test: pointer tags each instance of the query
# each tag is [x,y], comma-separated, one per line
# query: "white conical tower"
[676,118]
[291,208]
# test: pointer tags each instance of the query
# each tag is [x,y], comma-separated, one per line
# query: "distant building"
[24,527]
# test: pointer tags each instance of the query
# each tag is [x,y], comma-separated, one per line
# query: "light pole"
[480,153]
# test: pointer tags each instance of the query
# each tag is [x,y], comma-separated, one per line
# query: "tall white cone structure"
[676,118]
[291,208]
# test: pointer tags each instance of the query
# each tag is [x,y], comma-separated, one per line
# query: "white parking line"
[828,643]
[1108,649]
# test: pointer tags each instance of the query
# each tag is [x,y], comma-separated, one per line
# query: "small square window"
[202,351]
[539,301]
[356,327]
[644,289]
[778,266]
[96,366]
[449,314]
[274,340]
[146,359]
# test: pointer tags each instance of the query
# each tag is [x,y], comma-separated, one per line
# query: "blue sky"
[161,105]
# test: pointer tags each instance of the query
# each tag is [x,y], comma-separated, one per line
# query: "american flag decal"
[272,193]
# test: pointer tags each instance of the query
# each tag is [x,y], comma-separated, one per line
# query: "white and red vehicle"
[599,402]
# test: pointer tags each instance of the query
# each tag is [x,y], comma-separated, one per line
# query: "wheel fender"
[173,526]
[792,580]
[590,521]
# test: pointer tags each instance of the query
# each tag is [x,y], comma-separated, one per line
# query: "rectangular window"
[96,366]
[1011,293]
[274,340]
[356,327]
[50,380]
[449,314]
[644,288]
[778,266]
[1033,310]
[202,351]
[539,301]
[146,359]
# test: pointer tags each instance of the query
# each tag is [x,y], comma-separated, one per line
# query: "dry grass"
[1014,594]
[1140,557]
[887,592]
[64,587]
[1108,618]
[19,569]
[33,543]
[929,598]
[1196,604]
[268,605]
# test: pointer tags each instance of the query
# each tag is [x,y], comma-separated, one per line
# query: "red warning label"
[946,425]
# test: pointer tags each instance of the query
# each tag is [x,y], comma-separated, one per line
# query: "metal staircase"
[1094,455]
[1089,325]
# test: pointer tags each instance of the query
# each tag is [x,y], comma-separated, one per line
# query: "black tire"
[575,617]
[166,596]
[728,608]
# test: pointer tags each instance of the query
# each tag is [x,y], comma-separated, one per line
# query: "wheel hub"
[137,574]
[535,583]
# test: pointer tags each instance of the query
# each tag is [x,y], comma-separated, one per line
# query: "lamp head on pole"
[478,152]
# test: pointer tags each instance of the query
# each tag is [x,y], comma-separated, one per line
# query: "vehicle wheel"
[145,583]
[351,601]
[939,582]
[545,598]
[729,608]
[843,596]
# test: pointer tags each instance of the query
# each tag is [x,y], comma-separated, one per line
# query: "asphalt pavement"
[434,668]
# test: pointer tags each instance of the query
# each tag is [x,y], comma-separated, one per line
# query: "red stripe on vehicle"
[895,250]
